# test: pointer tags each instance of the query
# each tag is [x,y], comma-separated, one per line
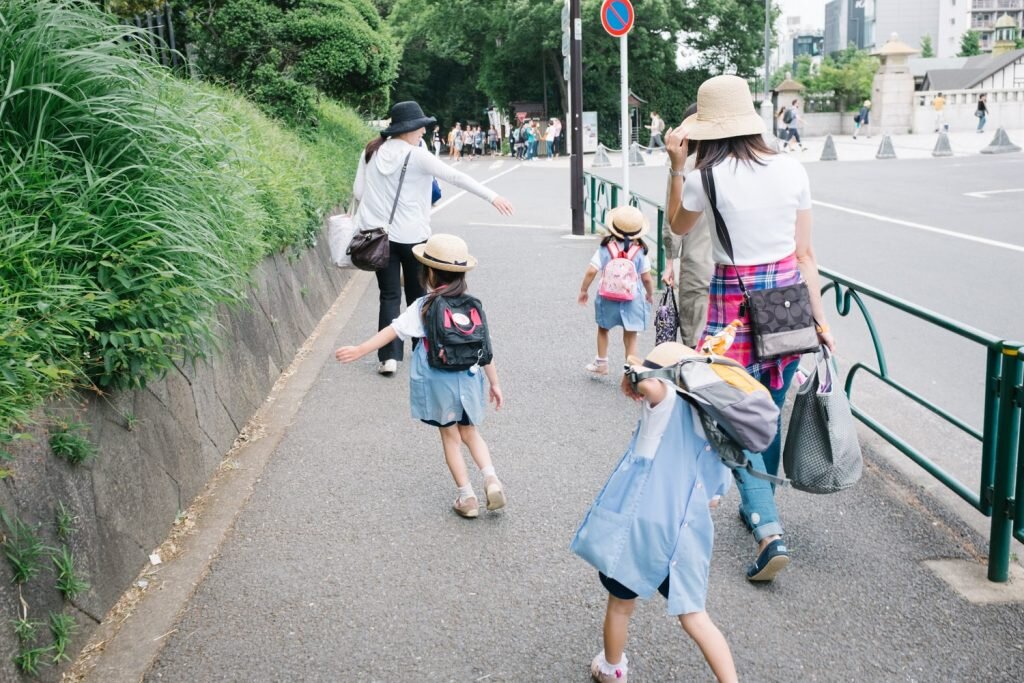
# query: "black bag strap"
[398,192]
[720,228]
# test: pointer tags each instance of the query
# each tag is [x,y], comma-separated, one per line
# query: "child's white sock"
[488,471]
[466,492]
[617,670]
[598,360]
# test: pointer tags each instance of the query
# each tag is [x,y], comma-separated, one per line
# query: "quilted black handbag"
[781,321]
[370,248]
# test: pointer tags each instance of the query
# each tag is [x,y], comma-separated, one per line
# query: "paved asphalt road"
[347,563]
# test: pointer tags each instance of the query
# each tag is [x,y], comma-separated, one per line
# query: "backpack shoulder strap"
[614,249]
[633,251]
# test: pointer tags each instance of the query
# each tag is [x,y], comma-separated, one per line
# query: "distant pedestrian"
[447,395]
[557,122]
[650,528]
[981,112]
[457,141]
[549,139]
[492,140]
[657,127]
[394,159]
[626,289]
[437,141]
[863,120]
[519,142]
[939,106]
[792,119]
[478,141]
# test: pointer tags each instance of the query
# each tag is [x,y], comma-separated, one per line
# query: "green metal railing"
[1001,436]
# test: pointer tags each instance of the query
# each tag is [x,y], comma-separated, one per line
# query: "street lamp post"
[767,112]
[576,107]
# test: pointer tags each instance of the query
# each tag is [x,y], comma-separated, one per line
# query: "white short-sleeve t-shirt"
[643,266]
[758,204]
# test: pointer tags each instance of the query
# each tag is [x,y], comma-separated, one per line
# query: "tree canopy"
[970,44]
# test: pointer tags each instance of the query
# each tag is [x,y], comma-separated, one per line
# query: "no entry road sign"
[617,17]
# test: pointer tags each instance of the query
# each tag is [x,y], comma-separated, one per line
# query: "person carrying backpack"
[626,291]
[791,119]
[446,379]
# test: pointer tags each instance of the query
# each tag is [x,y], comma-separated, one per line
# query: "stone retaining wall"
[127,498]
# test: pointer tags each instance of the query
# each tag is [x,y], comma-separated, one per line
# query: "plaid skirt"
[724,307]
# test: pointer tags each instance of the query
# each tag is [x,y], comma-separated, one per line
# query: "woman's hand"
[496,397]
[583,297]
[676,142]
[503,206]
[669,277]
[628,390]
[826,339]
[347,354]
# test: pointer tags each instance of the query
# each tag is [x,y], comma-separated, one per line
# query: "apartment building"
[985,13]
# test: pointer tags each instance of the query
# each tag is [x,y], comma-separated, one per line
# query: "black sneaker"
[772,560]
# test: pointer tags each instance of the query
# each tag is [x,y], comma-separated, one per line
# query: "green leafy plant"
[131,421]
[22,547]
[29,659]
[69,583]
[65,521]
[63,628]
[67,443]
[26,630]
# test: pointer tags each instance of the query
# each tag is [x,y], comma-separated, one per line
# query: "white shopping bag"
[340,230]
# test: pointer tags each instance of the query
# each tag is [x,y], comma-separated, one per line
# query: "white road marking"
[985,194]
[920,226]
[497,164]
[535,226]
[446,202]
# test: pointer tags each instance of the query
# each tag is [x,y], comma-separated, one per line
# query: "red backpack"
[619,277]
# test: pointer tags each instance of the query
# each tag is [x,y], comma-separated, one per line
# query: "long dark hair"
[372,146]
[750,149]
[440,283]
[628,241]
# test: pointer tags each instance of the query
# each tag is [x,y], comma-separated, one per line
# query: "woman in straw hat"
[765,200]
[451,400]
[378,178]
[627,289]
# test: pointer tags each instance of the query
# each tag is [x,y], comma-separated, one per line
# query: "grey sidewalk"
[347,563]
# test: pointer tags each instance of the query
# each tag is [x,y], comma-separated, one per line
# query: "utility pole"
[767,110]
[576,111]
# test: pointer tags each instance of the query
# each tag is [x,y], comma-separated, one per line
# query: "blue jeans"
[757,496]
[531,149]
[981,122]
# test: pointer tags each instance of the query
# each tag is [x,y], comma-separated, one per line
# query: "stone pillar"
[892,91]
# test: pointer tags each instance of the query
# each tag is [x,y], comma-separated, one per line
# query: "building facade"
[868,24]
[985,13]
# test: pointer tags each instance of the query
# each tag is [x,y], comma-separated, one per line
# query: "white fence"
[1005,108]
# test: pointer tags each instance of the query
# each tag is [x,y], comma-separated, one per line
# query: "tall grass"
[131,204]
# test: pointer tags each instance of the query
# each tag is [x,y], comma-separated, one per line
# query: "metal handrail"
[1001,435]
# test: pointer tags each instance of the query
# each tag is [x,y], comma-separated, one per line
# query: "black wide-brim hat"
[405,117]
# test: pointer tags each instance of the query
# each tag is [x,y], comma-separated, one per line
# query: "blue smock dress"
[629,315]
[440,396]
[651,519]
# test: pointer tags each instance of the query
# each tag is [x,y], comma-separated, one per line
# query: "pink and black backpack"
[619,278]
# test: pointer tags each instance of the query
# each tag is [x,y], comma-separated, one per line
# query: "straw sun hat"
[627,222]
[445,252]
[664,355]
[724,110]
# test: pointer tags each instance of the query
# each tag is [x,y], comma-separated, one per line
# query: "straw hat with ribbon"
[627,222]
[724,110]
[445,252]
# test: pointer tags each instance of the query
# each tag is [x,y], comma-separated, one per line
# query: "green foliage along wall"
[282,52]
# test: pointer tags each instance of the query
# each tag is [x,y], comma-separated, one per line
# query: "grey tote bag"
[822,453]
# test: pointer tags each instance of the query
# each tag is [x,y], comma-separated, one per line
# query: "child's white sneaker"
[603,672]
[495,493]
[598,367]
[388,367]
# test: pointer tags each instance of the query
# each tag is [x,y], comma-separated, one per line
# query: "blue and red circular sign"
[617,17]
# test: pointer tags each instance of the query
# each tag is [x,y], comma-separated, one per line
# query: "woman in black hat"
[377,184]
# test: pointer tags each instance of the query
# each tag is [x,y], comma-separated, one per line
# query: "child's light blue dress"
[629,315]
[651,519]
[440,396]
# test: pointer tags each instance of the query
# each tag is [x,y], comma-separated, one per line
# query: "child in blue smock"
[451,400]
[627,226]
[650,527]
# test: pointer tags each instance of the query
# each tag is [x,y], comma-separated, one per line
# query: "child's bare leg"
[616,627]
[477,446]
[712,644]
[602,342]
[629,342]
[452,443]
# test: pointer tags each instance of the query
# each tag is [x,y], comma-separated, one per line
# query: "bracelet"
[822,329]
[676,174]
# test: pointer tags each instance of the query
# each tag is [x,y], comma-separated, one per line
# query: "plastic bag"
[340,230]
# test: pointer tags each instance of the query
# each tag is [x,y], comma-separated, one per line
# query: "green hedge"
[133,203]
